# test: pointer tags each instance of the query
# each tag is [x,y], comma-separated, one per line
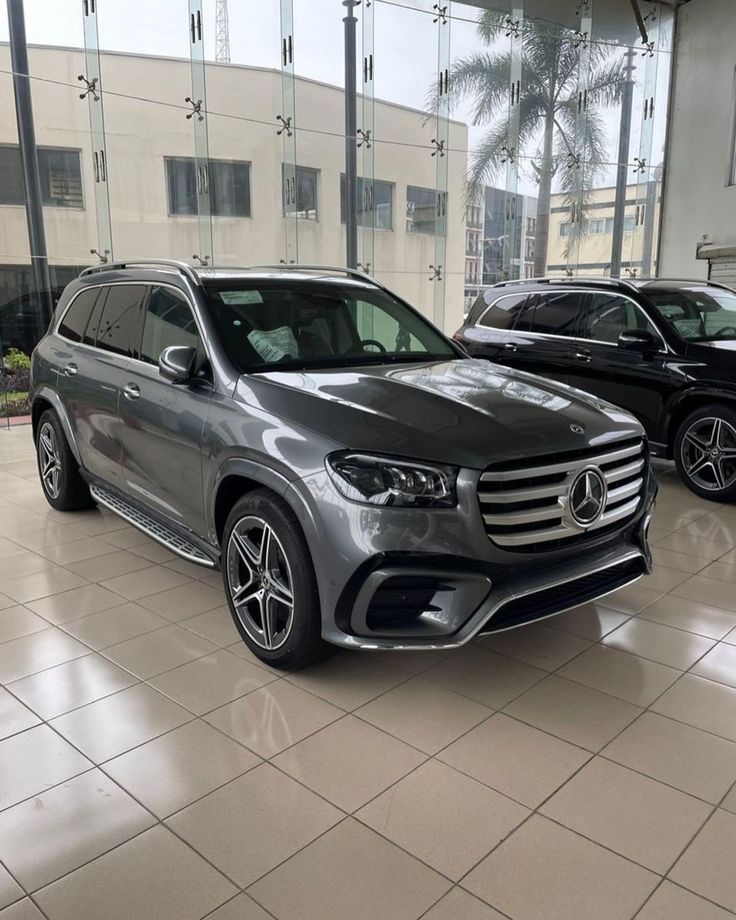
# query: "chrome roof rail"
[296,266]
[578,279]
[182,267]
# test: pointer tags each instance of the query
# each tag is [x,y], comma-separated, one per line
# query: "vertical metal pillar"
[29,157]
[624,137]
[351,126]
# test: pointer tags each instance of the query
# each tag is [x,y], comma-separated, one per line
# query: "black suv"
[665,350]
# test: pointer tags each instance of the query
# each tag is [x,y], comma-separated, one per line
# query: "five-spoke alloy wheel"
[705,452]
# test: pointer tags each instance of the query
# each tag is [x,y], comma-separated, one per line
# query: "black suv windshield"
[267,325]
[698,312]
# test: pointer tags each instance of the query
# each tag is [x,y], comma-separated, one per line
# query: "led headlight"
[385,481]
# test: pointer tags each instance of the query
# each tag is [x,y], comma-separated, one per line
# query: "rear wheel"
[705,452]
[270,582]
[61,480]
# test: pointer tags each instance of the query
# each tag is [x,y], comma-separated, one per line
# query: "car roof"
[607,282]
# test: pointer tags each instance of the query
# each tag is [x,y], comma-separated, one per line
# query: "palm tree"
[573,142]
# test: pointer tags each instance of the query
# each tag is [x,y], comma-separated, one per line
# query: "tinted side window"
[609,315]
[169,321]
[504,313]
[120,321]
[75,320]
[557,313]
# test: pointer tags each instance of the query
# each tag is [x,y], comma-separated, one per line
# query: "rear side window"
[609,315]
[120,320]
[556,313]
[76,318]
[169,321]
[504,312]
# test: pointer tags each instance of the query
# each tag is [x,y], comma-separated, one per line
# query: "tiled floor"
[580,769]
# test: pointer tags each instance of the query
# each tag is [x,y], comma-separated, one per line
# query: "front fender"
[52,397]
[698,393]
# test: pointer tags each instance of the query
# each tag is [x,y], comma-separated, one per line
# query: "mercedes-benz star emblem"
[577,429]
[587,497]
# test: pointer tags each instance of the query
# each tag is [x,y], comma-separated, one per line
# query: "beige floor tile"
[23,562]
[154,552]
[51,535]
[39,650]
[77,551]
[35,760]
[708,591]
[719,664]
[447,820]
[70,605]
[252,824]
[376,880]
[706,867]
[670,902]
[14,716]
[720,571]
[591,621]
[348,762]
[109,627]
[516,759]
[71,685]
[714,527]
[41,584]
[414,661]
[693,616]
[10,890]
[111,565]
[538,645]
[240,908]
[460,905]
[481,675]
[137,585]
[190,569]
[680,562]
[212,681]
[632,599]
[423,714]
[170,772]
[22,910]
[59,830]
[128,537]
[6,602]
[691,544]
[663,579]
[18,621]
[184,601]
[673,647]
[573,712]
[349,679]
[159,651]
[702,703]
[729,803]
[694,761]
[216,625]
[274,717]
[628,677]
[621,809]
[546,871]
[120,722]
[153,875]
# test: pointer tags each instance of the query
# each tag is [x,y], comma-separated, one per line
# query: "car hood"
[466,412]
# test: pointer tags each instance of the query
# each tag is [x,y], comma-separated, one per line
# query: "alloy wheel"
[260,583]
[708,454]
[49,460]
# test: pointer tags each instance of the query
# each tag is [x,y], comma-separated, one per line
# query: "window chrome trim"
[575,338]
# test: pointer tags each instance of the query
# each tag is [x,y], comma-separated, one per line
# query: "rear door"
[486,337]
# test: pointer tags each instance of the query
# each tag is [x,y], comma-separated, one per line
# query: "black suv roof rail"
[301,266]
[623,282]
[144,263]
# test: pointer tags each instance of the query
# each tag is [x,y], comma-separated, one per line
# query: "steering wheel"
[726,330]
[363,342]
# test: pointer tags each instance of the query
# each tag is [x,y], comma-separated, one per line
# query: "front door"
[162,421]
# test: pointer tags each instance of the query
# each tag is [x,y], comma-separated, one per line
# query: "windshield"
[269,325]
[698,313]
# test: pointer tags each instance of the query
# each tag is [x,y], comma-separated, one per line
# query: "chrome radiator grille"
[525,505]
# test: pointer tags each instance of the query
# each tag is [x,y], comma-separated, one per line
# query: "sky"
[406,48]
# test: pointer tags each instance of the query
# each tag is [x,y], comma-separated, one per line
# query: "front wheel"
[705,452]
[270,583]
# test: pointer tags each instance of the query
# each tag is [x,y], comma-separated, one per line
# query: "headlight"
[385,481]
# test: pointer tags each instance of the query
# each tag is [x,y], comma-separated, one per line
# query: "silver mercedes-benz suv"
[359,480]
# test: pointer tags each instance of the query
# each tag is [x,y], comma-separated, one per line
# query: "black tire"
[286,636]
[64,489]
[705,452]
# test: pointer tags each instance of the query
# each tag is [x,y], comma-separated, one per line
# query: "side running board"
[151,527]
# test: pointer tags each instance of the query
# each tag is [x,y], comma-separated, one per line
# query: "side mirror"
[176,363]
[638,340]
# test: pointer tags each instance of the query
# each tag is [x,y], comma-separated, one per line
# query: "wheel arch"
[45,398]
[236,478]
[689,402]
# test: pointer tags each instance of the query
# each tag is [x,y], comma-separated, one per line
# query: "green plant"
[14,403]
[16,360]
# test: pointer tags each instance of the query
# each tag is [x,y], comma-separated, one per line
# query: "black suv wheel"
[270,583]
[61,481]
[705,452]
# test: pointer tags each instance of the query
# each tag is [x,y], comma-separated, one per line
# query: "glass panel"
[288,134]
[205,179]
[367,128]
[439,268]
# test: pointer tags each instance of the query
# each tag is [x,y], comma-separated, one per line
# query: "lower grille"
[525,505]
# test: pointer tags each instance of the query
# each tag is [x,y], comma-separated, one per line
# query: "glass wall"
[495,140]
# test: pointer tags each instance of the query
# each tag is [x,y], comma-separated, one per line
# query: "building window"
[61,177]
[229,187]
[531,225]
[300,192]
[376,197]
[421,209]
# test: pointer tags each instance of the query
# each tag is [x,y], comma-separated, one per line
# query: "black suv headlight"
[388,481]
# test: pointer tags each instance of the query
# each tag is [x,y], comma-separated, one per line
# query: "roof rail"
[579,279]
[297,266]
[143,263]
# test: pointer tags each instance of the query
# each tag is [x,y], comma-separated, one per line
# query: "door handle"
[509,346]
[584,356]
[70,370]
[132,391]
